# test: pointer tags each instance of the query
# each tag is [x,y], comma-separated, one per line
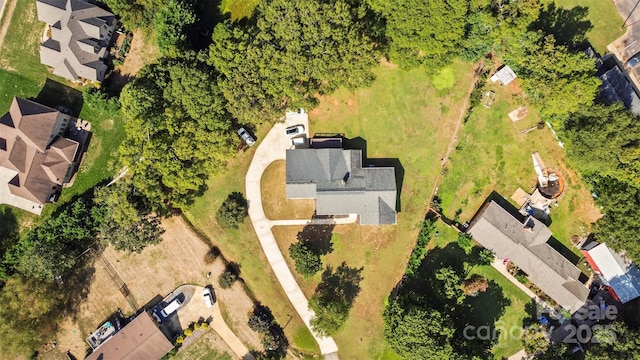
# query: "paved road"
[273,148]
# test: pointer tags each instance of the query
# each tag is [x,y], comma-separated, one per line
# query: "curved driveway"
[273,148]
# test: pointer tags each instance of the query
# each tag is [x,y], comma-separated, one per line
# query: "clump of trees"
[275,344]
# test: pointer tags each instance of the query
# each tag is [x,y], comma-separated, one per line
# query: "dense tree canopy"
[178,132]
[171,23]
[418,332]
[423,31]
[296,50]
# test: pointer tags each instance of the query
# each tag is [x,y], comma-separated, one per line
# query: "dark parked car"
[244,134]
[634,60]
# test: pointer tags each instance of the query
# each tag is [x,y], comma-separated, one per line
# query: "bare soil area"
[157,271]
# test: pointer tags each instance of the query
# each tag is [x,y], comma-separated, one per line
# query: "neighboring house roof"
[80,35]
[523,240]
[616,87]
[505,75]
[34,156]
[140,339]
[319,173]
[623,277]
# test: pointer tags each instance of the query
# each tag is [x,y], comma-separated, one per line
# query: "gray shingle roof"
[524,241]
[319,174]
[80,34]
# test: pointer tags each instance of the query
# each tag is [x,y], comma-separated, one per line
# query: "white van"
[171,308]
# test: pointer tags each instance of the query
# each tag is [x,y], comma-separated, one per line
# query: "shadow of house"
[499,227]
[54,94]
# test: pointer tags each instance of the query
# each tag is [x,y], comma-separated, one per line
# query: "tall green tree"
[307,261]
[604,140]
[171,22]
[418,332]
[178,132]
[617,342]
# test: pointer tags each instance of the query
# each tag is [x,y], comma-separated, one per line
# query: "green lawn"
[493,155]
[604,18]
[21,74]
[398,103]
[204,349]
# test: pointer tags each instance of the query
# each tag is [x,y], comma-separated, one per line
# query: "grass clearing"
[493,155]
[604,18]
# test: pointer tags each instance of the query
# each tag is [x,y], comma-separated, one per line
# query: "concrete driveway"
[273,147]
[629,44]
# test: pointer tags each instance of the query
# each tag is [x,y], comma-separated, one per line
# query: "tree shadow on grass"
[318,238]
[54,93]
[568,26]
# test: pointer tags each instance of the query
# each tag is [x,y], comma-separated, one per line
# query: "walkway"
[350,219]
[273,148]
[220,326]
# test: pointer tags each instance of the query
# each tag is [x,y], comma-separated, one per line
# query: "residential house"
[77,38]
[140,339]
[621,276]
[523,240]
[335,178]
[38,154]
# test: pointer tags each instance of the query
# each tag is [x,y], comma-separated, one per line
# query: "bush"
[259,323]
[415,259]
[227,279]
[233,211]
[188,332]
[211,255]
[307,261]
[196,326]
[204,326]
[180,339]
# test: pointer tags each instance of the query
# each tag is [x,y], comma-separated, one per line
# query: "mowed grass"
[238,9]
[22,74]
[604,18]
[281,208]
[493,155]
[514,313]
[401,116]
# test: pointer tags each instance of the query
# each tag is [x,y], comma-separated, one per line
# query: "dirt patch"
[158,270]
[385,62]
[142,51]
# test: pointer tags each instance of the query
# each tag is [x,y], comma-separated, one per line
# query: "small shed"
[504,75]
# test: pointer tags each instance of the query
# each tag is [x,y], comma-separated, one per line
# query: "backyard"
[493,154]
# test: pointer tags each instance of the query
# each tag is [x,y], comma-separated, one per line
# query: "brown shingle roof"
[140,339]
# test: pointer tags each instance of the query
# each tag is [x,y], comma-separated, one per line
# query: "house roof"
[35,159]
[319,173]
[523,240]
[622,277]
[79,38]
[140,339]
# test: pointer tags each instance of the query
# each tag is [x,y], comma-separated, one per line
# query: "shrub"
[233,211]
[204,326]
[227,279]
[188,332]
[211,255]
[475,284]
[180,339]
[415,259]
[307,261]
[259,323]
[196,326]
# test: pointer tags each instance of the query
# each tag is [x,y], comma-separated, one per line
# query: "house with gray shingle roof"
[335,178]
[523,240]
[78,37]
[36,156]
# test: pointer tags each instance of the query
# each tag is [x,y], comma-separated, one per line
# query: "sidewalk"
[333,221]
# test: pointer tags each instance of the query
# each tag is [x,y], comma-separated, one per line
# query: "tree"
[297,49]
[233,211]
[50,250]
[125,219]
[307,260]
[465,242]
[178,132]
[474,285]
[448,284]
[171,23]
[558,80]
[423,32]
[535,339]
[604,140]
[227,279]
[619,341]
[333,298]
[418,332]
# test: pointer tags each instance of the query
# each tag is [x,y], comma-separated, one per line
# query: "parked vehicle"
[171,308]
[634,60]
[294,130]
[209,299]
[244,134]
